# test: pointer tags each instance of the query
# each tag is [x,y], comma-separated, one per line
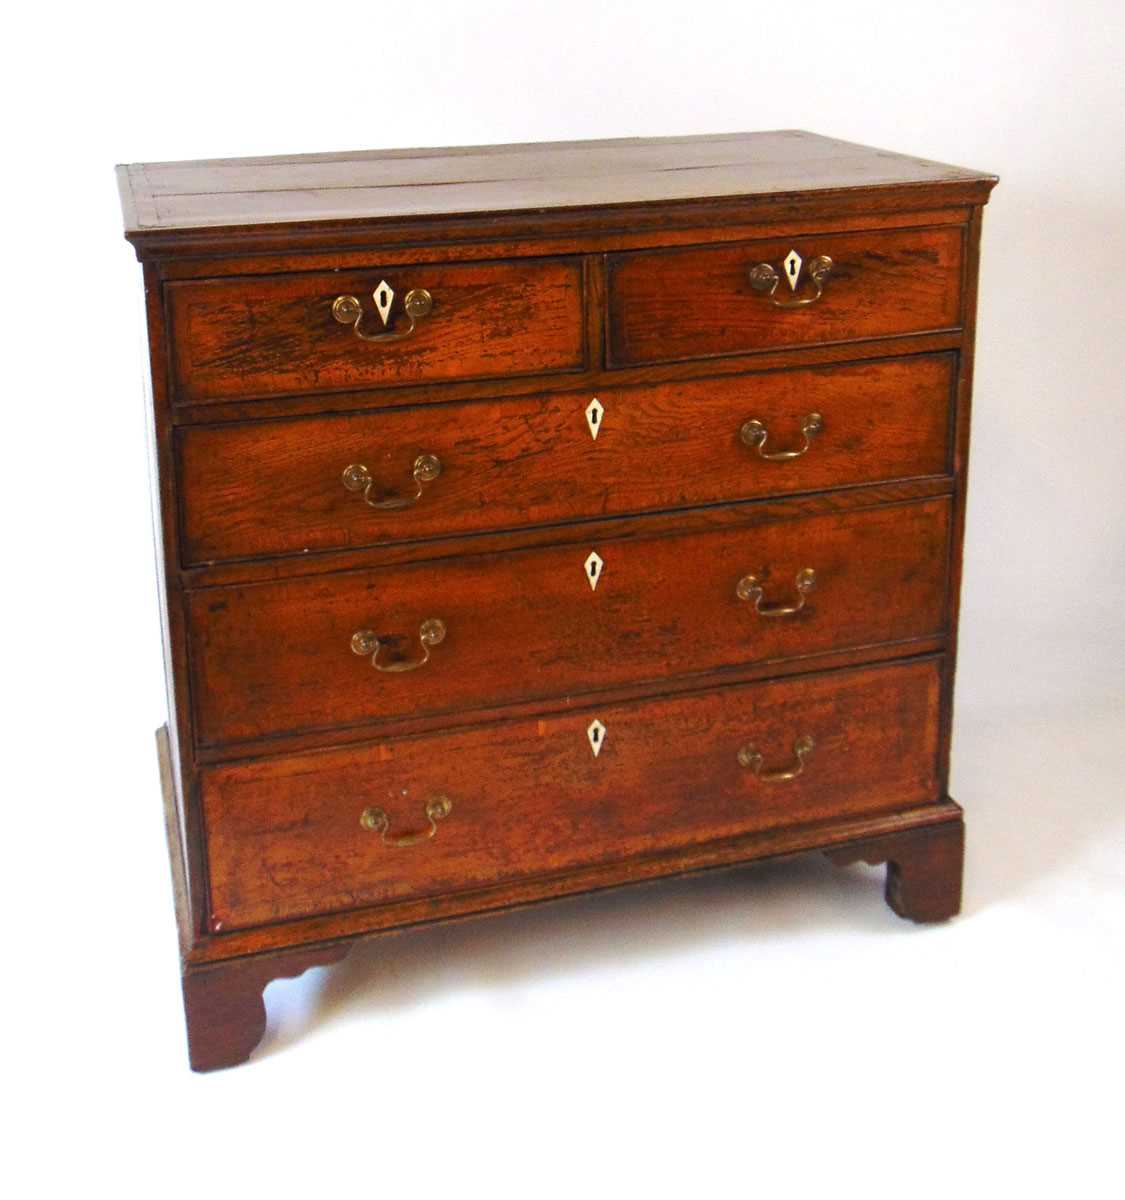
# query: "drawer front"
[417,817]
[457,634]
[328,483]
[667,305]
[235,339]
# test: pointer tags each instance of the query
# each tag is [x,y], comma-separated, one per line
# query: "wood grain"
[386,184]
[924,868]
[245,337]
[514,236]
[284,836]
[275,658]
[354,924]
[614,269]
[698,303]
[274,487]
[223,1005]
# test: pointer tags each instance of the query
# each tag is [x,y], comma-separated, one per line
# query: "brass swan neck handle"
[417,304]
[750,589]
[357,478]
[375,820]
[765,278]
[367,643]
[752,759]
[754,434]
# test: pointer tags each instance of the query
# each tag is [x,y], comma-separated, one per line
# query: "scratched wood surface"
[397,183]
[618,269]
[274,658]
[275,487]
[698,302]
[238,338]
[284,836]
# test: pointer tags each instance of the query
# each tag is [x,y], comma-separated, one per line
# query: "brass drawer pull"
[349,311]
[765,278]
[366,642]
[754,434]
[375,820]
[357,478]
[749,757]
[749,588]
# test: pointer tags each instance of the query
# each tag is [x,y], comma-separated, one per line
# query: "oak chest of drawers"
[538,519]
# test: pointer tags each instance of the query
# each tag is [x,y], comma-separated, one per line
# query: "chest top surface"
[177,198]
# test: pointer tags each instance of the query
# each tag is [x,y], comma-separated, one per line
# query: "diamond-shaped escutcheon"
[384,297]
[594,413]
[593,566]
[595,734]
[792,266]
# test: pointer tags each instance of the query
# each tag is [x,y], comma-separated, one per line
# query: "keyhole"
[792,268]
[382,299]
[595,735]
[593,570]
[594,417]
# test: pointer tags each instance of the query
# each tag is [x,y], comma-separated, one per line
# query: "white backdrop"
[774,1030]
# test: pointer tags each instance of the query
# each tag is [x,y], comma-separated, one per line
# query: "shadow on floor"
[1037,792]
[793,898]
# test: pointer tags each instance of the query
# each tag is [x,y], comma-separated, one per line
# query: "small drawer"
[241,338]
[432,638]
[424,816]
[667,305]
[329,483]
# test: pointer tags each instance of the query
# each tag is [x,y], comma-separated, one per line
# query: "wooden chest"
[538,519]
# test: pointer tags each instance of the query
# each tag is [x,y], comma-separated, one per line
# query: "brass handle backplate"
[357,478]
[750,588]
[765,278]
[750,758]
[367,643]
[349,311]
[375,820]
[754,434]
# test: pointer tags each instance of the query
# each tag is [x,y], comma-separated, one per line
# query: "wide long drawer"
[254,336]
[422,816]
[451,635]
[735,299]
[326,483]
